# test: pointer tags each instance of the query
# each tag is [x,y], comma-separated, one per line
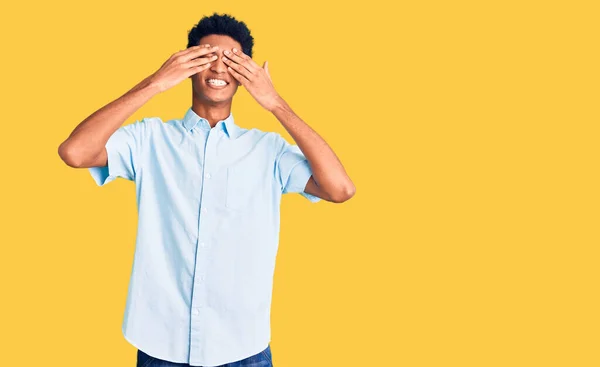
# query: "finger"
[198,68]
[239,77]
[201,60]
[186,50]
[197,51]
[237,58]
[247,58]
[240,69]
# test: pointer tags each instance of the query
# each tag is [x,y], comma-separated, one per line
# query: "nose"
[218,66]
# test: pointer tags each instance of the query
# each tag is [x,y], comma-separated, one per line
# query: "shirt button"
[204,210]
[201,277]
[208,175]
[202,244]
[195,311]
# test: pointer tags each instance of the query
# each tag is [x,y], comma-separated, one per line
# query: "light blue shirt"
[208,203]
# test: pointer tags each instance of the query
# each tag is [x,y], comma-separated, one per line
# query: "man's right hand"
[85,146]
[183,64]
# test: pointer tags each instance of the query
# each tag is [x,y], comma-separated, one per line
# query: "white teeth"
[216,82]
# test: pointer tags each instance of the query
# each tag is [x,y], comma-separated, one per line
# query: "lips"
[216,83]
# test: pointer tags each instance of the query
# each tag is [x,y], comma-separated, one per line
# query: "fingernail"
[235,50]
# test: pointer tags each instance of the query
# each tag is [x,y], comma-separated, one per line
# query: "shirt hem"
[134,344]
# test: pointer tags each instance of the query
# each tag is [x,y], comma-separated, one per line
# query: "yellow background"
[470,129]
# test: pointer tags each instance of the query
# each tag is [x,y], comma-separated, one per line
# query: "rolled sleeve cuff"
[101,175]
[116,165]
[301,173]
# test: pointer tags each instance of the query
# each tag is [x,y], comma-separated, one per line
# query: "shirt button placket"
[199,291]
[198,331]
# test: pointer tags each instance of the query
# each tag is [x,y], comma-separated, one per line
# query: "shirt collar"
[191,119]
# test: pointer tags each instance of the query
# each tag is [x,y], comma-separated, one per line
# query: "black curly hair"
[222,24]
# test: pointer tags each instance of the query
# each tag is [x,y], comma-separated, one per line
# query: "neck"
[212,112]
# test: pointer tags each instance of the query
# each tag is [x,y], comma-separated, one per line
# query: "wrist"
[276,103]
[148,87]
[152,85]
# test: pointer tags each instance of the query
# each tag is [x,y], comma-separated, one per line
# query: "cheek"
[198,80]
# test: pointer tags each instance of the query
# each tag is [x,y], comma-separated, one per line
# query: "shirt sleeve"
[292,169]
[123,148]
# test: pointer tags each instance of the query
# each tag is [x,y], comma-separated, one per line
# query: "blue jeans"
[262,359]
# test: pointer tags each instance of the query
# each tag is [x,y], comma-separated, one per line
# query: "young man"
[208,196]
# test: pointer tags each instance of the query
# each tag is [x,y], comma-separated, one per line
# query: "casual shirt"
[208,202]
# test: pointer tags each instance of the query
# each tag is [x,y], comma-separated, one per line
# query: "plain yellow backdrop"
[470,129]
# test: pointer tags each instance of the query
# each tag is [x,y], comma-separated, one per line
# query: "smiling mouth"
[216,83]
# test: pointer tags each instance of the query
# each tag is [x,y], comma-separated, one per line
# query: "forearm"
[328,171]
[88,138]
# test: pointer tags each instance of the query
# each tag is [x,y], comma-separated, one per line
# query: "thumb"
[266,67]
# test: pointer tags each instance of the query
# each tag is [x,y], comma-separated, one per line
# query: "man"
[208,197]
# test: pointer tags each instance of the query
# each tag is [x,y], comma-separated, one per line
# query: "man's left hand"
[254,78]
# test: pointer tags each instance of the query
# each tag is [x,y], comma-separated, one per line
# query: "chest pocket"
[245,184]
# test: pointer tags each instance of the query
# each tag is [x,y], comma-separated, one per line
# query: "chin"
[219,96]
[209,97]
